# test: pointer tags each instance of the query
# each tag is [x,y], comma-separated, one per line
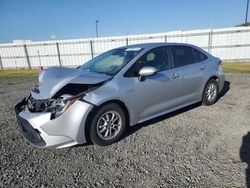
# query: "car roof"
[148,46]
[153,45]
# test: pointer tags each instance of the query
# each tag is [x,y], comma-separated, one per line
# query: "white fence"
[230,44]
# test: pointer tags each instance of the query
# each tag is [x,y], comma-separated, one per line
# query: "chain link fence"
[229,44]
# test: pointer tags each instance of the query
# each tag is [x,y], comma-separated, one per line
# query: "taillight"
[220,62]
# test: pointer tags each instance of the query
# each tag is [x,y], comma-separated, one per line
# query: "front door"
[160,92]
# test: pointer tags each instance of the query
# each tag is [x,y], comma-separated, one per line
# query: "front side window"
[111,62]
[159,57]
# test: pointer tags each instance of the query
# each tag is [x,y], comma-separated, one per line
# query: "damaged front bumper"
[39,129]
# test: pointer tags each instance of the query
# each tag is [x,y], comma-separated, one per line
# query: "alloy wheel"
[109,125]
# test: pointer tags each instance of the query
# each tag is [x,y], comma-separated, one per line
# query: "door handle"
[174,76]
[202,67]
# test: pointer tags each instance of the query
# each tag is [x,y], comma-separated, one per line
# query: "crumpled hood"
[53,79]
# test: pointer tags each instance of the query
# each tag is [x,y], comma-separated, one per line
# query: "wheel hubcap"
[109,125]
[211,92]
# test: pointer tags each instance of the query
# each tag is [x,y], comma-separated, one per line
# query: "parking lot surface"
[197,146]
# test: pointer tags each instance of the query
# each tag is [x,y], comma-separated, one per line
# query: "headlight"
[59,106]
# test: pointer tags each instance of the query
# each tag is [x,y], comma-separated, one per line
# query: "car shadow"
[245,156]
[133,129]
[225,89]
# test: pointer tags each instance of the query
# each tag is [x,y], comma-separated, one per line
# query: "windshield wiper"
[103,73]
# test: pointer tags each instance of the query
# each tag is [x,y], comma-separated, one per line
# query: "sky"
[67,19]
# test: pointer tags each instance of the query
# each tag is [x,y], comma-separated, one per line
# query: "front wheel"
[107,125]
[211,93]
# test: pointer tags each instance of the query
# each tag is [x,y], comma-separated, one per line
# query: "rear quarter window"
[198,55]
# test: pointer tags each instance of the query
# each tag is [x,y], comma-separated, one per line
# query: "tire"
[107,125]
[210,93]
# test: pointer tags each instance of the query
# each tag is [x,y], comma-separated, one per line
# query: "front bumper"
[66,130]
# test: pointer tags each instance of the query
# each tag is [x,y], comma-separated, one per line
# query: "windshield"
[111,62]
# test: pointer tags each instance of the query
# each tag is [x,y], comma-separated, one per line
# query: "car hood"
[53,79]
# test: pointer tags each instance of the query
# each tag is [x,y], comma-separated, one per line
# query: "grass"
[233,67]
[18,73]
[236,67]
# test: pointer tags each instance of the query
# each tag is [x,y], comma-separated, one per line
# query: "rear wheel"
[107,125]
[211,93]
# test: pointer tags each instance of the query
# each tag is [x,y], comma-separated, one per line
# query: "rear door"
[192,65]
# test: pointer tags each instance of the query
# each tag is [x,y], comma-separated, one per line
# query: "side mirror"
[146,71]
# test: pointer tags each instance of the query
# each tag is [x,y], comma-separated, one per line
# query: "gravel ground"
[196,147]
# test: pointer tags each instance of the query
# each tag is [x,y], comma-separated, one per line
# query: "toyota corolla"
[119,88]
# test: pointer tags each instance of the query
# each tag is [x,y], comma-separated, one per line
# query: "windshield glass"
[111,62]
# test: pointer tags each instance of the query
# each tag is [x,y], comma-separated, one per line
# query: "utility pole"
[96,27]
[247,12]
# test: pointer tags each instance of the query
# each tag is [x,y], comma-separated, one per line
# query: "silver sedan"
[119,88]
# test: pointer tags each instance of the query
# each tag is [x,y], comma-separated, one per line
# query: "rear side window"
[186,55]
